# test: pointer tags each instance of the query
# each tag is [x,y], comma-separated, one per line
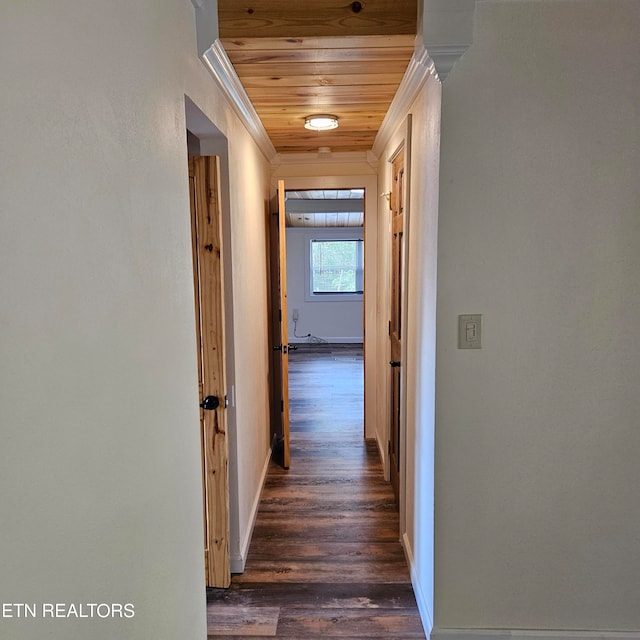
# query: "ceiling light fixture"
[321,122]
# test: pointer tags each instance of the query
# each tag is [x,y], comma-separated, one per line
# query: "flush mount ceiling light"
[321,122]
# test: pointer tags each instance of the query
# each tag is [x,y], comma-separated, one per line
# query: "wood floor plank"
[325,560]
[333,528]
[234,620]
[302,595]
[365,624]
[321,572]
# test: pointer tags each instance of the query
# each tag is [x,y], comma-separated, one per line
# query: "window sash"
[335,274]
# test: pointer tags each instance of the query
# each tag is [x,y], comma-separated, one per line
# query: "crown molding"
[445,56]
[420,67]
[218,63]
[437,60]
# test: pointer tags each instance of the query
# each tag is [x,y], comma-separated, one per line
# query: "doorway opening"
[325,265]
[206,141]
[310,289]
[325,300]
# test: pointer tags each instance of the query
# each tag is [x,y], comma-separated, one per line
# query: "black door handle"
[210,403]
[283,348]
[395,363]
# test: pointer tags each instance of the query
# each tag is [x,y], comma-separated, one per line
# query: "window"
[336,267]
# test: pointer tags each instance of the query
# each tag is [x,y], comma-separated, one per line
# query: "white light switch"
[470,331]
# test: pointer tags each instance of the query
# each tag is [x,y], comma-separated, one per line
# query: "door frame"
[403,146]
[278,328]
[208,268]
[206,139]
[396,308]
[370,320]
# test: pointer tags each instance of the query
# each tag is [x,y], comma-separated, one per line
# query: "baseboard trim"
[424,608]
[530,634]
[382,452]
[238,562]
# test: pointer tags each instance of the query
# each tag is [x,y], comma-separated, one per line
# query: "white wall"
[100,461]
[332,320]
[249,188]
[417,448]
[537,435]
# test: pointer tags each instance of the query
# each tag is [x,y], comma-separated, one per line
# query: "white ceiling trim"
[421,66]
[445,56]
[218,63]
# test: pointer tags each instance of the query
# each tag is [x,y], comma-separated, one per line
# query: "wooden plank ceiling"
[325,208]
[319,56]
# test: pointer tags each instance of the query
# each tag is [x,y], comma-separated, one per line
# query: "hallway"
[325,560]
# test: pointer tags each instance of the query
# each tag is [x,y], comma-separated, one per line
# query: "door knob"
[395,363]
[210,403]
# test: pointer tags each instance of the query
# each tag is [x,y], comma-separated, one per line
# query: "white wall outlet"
[295,315]
[470,331]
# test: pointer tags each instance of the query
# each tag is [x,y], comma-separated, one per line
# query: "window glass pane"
[334,264]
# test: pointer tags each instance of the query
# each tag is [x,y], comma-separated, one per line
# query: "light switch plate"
[470,331]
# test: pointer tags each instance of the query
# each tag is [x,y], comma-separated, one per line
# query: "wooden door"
[279,333]
[395,323]
[209,300]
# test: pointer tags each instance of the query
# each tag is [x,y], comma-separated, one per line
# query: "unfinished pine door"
[279,331]
[209,300]
[395,319]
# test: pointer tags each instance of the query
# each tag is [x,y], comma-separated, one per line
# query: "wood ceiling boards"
[295,59]
[325,208]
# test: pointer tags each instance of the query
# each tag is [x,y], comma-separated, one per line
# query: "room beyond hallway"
[325,560]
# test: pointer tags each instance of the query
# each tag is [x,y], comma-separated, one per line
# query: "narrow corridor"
[325,560]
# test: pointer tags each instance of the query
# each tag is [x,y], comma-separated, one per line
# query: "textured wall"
[100,455]
[421,228]
[537,433]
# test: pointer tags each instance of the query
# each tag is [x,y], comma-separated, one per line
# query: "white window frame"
[333,235]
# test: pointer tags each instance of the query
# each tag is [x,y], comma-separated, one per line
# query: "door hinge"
[389,327]
[389,447]
[280,315]
[281,406]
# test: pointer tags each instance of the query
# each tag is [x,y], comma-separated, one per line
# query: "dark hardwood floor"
[325,560]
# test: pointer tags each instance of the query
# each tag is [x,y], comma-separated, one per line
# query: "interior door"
[395,324]
[209,301]
[279,333]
